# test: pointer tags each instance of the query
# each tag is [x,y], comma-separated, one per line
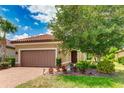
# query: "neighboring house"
[41,51]
[10,49]
[120,53]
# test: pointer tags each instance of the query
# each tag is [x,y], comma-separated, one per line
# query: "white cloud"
[35,23]
[5,10]
[26,28]
[15,37]
[17,20]
[44,13]
[42,18]
[49,32]
[23,6]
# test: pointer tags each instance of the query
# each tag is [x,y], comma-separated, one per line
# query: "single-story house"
[42,51]
[10,49]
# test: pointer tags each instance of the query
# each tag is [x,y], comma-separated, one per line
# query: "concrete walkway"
[11,77]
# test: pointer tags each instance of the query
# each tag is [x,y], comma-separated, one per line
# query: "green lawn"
[78,81]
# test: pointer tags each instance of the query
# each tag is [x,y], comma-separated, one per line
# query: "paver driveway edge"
[10,78]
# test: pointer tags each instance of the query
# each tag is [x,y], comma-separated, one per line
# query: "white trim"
[19,52]
[37,43]
[66,62]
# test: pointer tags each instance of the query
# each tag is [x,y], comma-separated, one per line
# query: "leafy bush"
[58,62]
[82,65]
[111,55]
[107,63]
[93,66]
[11,60]
[106,66]
[4,65]
[121,60]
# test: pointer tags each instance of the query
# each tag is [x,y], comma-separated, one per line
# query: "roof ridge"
[36,38]
[32,37]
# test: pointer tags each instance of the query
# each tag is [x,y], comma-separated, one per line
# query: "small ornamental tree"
[91,29]
[107,63]
[5,28]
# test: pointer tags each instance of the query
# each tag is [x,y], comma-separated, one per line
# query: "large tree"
[91,29]
[5,28]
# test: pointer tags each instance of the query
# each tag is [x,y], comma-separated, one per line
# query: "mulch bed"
[88,72]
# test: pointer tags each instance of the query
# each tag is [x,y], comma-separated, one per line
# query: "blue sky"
[31,20]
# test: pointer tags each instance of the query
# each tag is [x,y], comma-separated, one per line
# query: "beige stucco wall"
[66,57]
[81,56]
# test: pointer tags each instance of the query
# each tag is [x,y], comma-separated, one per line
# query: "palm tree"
[5,28]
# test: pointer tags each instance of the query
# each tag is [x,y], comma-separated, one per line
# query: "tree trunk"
[4,50]
[98,58]
[94,56]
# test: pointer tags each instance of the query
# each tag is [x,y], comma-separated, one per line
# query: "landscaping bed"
[89,72]
[86,68]
[78,81]
[9,62]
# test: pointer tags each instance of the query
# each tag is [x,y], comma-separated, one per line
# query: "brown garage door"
[38,58]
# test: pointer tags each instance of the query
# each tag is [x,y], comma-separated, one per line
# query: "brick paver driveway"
[13,76]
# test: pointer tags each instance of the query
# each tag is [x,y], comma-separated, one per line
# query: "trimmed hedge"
[58,62]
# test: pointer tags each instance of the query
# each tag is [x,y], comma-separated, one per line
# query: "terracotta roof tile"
[39,38]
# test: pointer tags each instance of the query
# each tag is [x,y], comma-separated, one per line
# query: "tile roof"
[39,38]
[8,44]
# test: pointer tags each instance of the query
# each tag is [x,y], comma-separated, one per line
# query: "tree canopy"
[91,29]
[6,27]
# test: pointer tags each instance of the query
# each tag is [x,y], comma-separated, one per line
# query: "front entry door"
[73,56]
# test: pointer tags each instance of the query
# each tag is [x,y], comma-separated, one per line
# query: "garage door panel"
[39,58]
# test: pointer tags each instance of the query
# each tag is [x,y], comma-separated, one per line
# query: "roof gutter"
[32,43]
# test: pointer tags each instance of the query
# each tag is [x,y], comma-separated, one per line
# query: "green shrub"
[82,65]
[106,66]
[110,56]
[11,60]
[58,62]
[121,60]
[4,65]
[107,63]
[93,66]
